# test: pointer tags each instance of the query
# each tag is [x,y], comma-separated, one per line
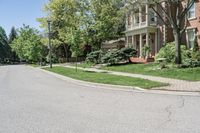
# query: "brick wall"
[195,23]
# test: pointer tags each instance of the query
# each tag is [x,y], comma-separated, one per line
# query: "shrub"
[111,57]
[169,52]
[195,55]
[190,63]
[145,51]
[128,52]
[193,60]
[54,58]
[95,57]
[116,56]
[190,58]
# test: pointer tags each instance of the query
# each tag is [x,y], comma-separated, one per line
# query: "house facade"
[144,28]
[193,29]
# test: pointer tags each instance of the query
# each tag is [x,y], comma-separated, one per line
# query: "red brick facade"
[194,23]
[143,28]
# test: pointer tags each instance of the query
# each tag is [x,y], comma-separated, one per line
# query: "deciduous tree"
[28,44]
[96,20]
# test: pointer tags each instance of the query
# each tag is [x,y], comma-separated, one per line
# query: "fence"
[72,59]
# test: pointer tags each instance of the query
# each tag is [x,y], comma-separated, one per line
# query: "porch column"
[126,41]
[140,15]
[147,15]
[133,41]
[141,43]
[147,38]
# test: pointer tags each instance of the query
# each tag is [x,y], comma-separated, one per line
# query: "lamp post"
[50,47]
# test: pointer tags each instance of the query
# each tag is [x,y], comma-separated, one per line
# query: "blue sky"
[18,12]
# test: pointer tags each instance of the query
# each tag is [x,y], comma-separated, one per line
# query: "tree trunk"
[177,38]
[66,51]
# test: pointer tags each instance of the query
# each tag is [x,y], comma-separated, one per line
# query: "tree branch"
[189,5]
[185,26]
[161,18]
[167,15]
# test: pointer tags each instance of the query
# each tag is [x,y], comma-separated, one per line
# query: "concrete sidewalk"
[175,84]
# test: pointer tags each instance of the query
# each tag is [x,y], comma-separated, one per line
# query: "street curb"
[118,87]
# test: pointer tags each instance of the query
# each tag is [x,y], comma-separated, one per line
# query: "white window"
[191,37]
[151,17]
[191,12]
[137,18]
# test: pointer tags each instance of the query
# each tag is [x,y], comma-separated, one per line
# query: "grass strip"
[105,78]
[189,74]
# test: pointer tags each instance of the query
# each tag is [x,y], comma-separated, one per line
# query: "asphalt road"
[32,101]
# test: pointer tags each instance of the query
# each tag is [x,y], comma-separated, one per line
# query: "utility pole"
[50,47]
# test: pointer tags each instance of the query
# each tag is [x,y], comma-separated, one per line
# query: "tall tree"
[173,13]
[109,19]
[96,20]
[12,37]
[28,44]
[62,14]
[4,47]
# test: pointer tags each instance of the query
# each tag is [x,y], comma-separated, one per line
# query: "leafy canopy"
[28,44]
[96,20]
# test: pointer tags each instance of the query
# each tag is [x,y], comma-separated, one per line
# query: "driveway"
[32,101]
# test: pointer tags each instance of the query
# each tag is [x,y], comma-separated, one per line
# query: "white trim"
[190,28]
[141,43]
[190,19]
[140,30]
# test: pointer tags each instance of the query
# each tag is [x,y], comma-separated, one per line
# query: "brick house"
[143,25]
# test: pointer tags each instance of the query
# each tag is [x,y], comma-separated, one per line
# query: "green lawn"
[190,74]
[105,78]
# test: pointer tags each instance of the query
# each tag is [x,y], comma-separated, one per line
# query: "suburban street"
[32,101]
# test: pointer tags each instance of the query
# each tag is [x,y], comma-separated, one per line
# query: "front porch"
[138,40]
